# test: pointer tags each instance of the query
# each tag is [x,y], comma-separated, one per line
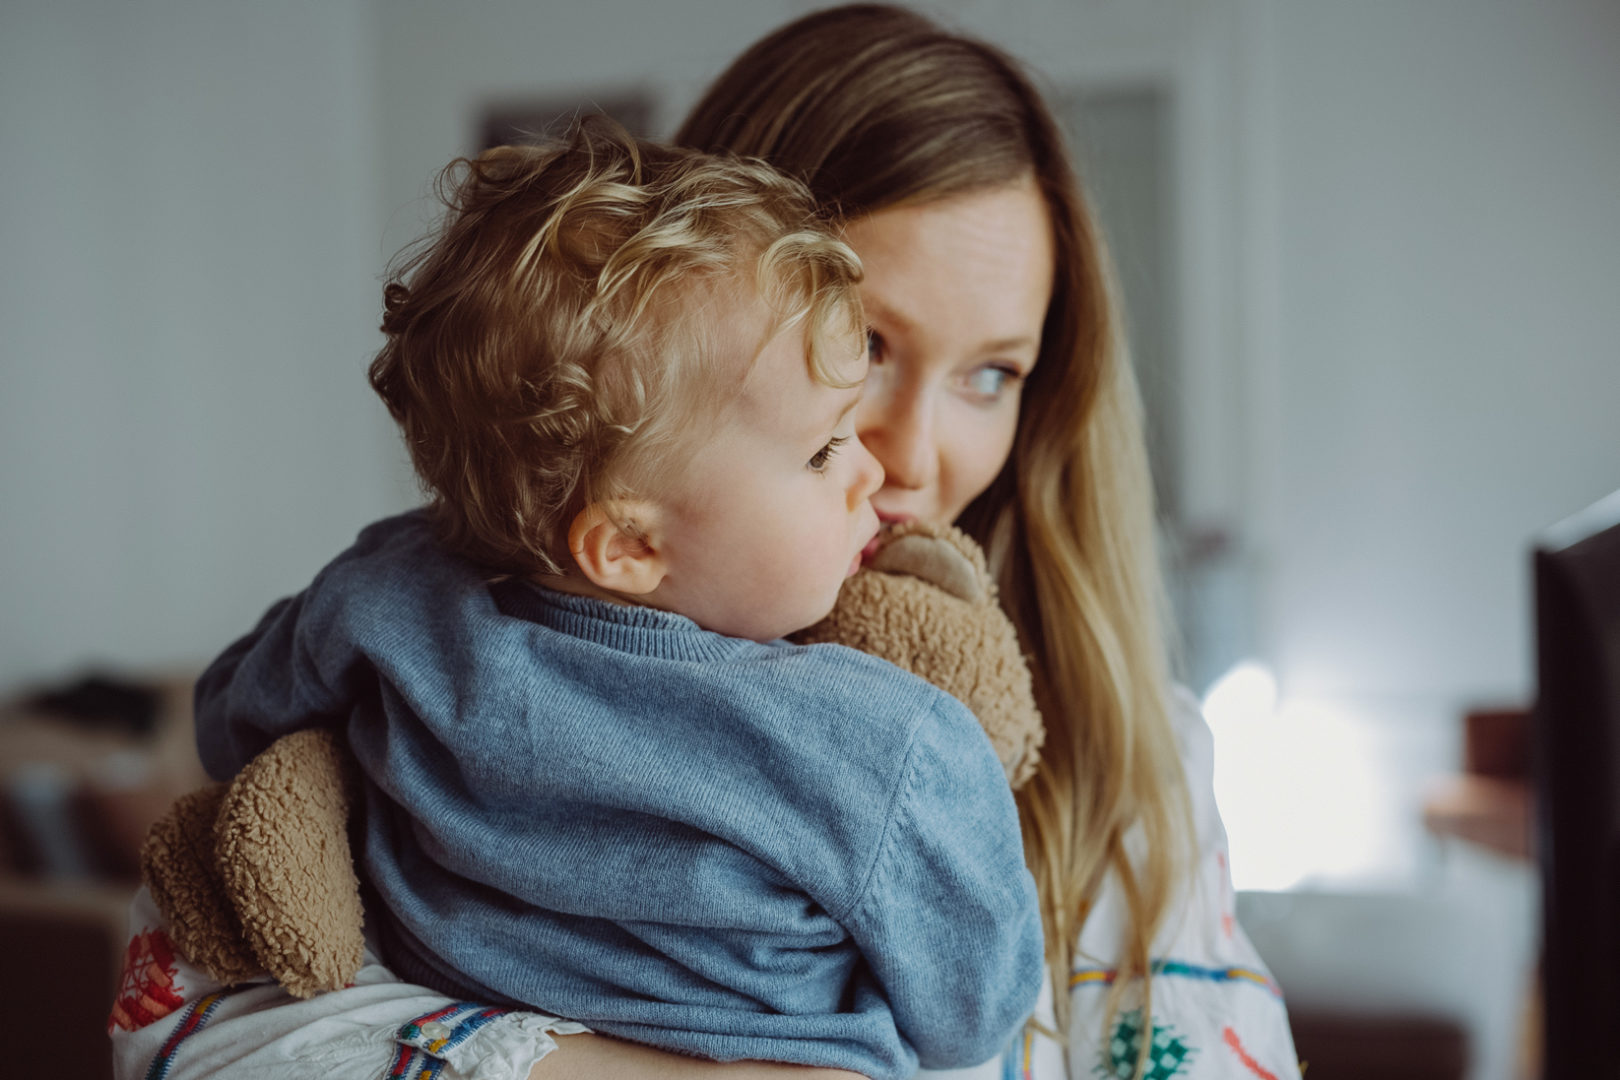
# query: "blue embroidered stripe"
[465,1029]
[1009,1060]
[1015,1063]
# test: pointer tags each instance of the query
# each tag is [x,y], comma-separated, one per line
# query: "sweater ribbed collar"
[643,631]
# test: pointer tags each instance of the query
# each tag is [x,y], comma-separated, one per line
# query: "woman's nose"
[897,425]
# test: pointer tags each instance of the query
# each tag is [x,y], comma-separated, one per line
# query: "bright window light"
[1246,693]
[1298,784]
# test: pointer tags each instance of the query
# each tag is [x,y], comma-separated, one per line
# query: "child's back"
[579,797]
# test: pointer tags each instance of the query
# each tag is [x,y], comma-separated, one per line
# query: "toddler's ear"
[610,545]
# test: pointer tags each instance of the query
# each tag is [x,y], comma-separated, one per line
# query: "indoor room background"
[1371,256]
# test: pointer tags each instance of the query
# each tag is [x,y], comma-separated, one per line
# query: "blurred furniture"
[1428,982]
[66,941]
[1435,983]
[1576,758]
[1337,1046]
[84,771]
[1489,804]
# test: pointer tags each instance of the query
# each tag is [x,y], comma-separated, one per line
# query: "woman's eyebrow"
[1012,344]
[878,311]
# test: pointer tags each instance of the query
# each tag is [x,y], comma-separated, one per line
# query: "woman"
[1000,398]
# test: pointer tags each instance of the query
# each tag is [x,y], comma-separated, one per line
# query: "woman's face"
[956,293]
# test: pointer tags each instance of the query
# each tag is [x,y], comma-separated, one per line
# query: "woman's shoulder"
[1201,921]
[1215,1008]
[1197,747]
[1192,731]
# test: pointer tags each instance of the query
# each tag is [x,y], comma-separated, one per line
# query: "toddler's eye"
[818,460]
[874,346]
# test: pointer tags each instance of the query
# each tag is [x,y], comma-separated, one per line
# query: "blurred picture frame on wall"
[520,121]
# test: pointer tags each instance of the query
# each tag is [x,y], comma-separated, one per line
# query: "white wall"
[1444,377]
[1431,265]
[188,265]
[439,64]
[1400,264]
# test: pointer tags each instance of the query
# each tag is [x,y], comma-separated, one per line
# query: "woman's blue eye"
[820,459]
[992,381]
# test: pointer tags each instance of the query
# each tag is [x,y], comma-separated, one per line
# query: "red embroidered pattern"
[147,991]
[1249,1063]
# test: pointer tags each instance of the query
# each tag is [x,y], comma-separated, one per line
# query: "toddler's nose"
[868,475]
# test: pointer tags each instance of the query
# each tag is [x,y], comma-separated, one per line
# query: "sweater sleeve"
[307,662]
[948,918]
[264,686]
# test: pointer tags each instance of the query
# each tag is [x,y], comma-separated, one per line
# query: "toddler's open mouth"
[870,549]
[886,523]
[864,556]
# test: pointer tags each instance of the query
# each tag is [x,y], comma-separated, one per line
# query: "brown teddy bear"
[256,876]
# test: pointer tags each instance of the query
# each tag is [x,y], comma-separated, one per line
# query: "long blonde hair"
[875,107]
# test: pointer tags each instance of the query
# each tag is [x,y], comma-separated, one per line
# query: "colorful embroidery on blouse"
[1168,1054]
[1181,969]
[194,1020]
[1018,1062]
[146,990]
[424,1042]
[1236,1045]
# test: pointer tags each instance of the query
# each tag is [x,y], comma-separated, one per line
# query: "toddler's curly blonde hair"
[574,315]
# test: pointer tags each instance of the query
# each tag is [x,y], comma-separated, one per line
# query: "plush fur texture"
[177,861]
[282,851]
[258,876]
[928,604]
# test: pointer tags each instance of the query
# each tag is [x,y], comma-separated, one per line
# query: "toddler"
[596,782]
